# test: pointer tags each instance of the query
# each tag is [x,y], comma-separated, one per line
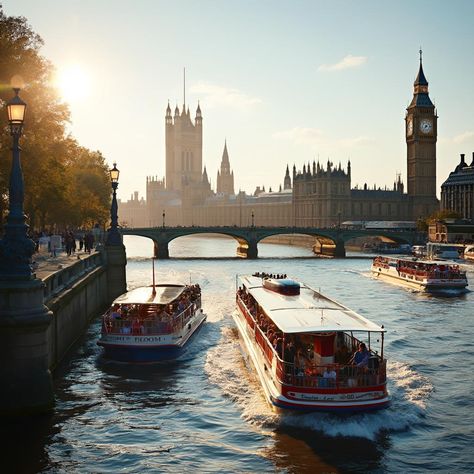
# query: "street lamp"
[253,219]
[16,249]
[164,215]
[113,235]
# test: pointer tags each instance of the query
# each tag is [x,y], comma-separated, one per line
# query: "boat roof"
[309,311]
[425,261]
[164,294]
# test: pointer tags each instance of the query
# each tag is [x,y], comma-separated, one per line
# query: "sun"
[73,82]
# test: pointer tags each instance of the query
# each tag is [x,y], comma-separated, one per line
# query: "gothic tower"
[183,148]
[287,180]
[421,135]
[225,177]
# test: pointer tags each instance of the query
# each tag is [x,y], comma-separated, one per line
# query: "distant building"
[318,195]
[457,192]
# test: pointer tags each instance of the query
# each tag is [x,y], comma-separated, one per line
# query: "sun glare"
[73,82]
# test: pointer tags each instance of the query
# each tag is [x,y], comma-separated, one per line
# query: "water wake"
[409,391]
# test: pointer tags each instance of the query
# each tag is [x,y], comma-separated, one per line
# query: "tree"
[51,161]
[423,223]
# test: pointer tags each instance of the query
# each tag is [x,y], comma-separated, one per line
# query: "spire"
[420,78]
[287,180]
[176,111]
[225,154]
[168,110]
[204,176]
[184,88]
[198,110]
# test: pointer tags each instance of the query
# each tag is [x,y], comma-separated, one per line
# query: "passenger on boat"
[329,373]
[290,352]
[300,364]
[116,314]
[278,346]
[361,356]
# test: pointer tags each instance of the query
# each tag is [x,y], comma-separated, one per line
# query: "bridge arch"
[242,243]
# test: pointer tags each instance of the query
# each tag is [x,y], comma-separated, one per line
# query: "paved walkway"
[44,264]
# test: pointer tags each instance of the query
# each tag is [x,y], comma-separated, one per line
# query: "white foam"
[409,391]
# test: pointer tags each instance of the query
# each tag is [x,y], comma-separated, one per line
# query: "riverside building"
[319,195]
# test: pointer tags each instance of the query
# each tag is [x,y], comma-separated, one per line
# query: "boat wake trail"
[226,368]
[409,391]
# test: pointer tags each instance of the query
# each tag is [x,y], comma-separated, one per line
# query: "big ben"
[421,135]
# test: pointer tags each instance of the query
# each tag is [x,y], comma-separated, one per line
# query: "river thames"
[207,413]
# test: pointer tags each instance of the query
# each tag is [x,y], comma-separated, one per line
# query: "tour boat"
[152,324]
[300,344]
[469,253]
[428,275]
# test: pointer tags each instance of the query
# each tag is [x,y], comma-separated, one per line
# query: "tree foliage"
[423,223]
[65,184]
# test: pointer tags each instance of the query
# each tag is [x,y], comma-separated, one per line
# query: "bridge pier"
[340,249]
[161,250]
[247,250]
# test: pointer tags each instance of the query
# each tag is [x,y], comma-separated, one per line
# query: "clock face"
[410,126]
[426,126]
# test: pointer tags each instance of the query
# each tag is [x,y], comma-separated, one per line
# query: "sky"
[284,82]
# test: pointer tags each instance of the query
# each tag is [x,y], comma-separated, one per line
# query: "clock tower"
[421,130]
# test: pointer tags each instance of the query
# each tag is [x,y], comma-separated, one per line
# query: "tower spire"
[184,88]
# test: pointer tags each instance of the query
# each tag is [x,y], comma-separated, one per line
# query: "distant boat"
[419,251]
[152,324]
[427,275]
[438,250]
[469,252]
[388,248]
[300,344]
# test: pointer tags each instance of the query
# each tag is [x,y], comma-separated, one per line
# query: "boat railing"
[333,376]
[260,337]
[337,375]
[139,327]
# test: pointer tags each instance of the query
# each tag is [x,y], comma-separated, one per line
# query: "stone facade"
[457,192]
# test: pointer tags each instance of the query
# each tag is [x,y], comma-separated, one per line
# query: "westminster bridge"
[331,241]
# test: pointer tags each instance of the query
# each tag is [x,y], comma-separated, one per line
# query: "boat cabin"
[309,340]
[153,310]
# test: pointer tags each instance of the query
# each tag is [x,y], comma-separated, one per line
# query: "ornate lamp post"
[16,249]
[253,219]
[113,235]
[164,215]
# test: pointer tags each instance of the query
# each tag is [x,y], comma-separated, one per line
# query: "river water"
[206,412]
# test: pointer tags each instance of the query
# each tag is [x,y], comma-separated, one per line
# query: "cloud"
[214,95]
[316,138]
[463,137]
[346,62]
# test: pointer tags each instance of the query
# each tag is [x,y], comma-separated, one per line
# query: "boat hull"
[145,349]
[286,397]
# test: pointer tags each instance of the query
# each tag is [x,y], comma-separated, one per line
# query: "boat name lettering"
[134,339]
[336,396]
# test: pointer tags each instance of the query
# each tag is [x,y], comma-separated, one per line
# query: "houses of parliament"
[318,195]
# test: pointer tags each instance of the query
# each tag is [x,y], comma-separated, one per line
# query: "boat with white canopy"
[433,276]
[301,344]
[151,324]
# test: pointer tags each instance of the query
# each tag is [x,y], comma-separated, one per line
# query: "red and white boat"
[428,275]
[300,343]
